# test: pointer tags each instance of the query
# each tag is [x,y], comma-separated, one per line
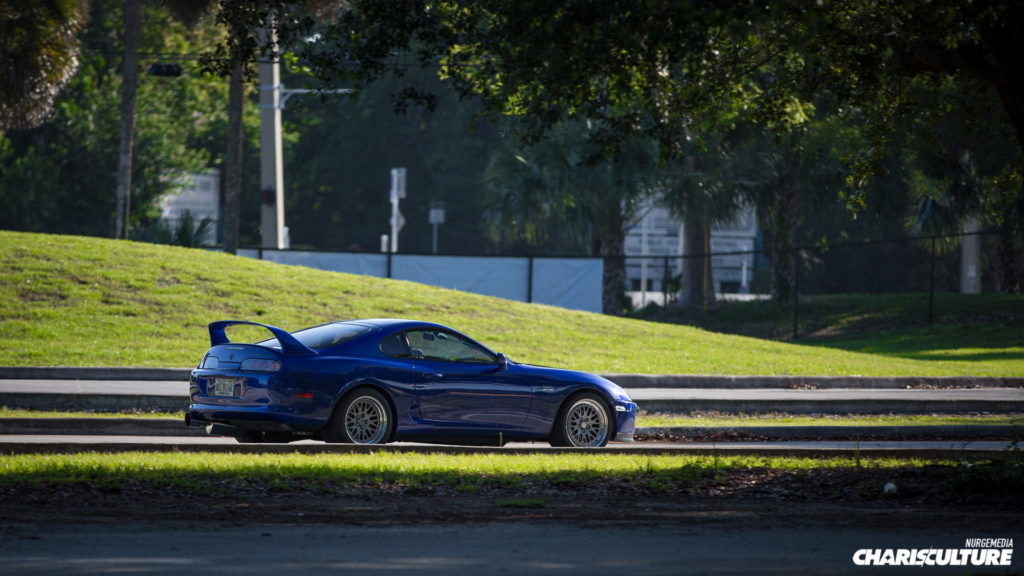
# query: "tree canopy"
[38,56]
[659,67]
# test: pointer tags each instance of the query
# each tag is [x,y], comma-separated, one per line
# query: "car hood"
[558,374]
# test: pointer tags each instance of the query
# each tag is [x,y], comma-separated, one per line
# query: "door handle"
[432,375]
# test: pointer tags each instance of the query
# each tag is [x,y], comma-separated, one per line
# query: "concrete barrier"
[93,402]
[176,427]
[986,450]
[815,382]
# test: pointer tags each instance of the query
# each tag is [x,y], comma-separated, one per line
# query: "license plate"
[223,387]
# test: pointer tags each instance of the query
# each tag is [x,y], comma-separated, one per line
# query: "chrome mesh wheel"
[366,420]
[586,423]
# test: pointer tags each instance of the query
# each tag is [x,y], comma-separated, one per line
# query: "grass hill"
[74,301]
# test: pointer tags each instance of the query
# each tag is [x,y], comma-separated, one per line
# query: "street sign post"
[397,193]
[436,217]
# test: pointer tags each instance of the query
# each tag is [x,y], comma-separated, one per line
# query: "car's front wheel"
[362,417]
[583,422]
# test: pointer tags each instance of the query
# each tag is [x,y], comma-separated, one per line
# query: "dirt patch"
[762,493]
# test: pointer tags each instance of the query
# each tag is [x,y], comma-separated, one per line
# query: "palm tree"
[39,49]
[129,85]
[695,192]
[561,187]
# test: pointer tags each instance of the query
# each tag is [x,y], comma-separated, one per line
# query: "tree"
[338,153]
[962,166]
[657,68]
[560,185]
[39,53]
[254,29]
[129,85]
[59,176]
[189,12]
[697,193]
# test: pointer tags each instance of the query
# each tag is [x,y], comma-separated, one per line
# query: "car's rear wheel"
[362,417]
[583,422]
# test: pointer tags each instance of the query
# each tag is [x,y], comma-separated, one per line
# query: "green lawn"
[77,301]
[428,469]
[978,327]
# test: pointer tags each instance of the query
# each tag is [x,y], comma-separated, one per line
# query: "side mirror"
[502,361]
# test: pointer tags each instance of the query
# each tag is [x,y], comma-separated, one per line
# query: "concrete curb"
[937,432]
[175,427]
[624,380]
[94,402]
[829,406]
[794,382]
[99,426]
[984,451]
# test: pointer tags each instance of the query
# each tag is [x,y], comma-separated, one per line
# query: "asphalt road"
[162,395]
[725,542]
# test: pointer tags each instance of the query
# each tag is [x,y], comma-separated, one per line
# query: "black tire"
[583,422]
[363,417]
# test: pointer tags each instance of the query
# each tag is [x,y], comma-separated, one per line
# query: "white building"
[199,195]
[663,236]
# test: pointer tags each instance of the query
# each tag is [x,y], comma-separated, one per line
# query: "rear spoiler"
[289,344]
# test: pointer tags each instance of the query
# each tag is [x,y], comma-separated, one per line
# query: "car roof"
[394,324]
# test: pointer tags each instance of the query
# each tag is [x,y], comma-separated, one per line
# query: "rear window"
[323,336]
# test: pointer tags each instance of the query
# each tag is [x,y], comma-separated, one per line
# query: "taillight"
[210,362]
[260,365]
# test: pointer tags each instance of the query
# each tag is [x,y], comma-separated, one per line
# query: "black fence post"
[796,292]
[529,280]
[389,259]
[931,287]
[664,288]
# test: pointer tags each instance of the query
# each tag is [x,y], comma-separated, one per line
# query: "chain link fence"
[921,265]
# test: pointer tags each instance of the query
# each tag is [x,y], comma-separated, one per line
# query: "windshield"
[323,336]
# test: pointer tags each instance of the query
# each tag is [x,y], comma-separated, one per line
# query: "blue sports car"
[377,381]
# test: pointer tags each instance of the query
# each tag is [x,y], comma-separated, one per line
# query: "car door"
[463,388]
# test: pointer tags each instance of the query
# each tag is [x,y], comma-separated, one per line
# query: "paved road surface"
[121,387]
[731,542]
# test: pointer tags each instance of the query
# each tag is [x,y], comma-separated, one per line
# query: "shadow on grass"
[932,356]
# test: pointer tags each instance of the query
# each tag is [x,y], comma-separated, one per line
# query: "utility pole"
[273,96]
[132,22]
[271,162]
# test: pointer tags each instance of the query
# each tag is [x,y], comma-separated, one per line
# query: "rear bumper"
[224,421]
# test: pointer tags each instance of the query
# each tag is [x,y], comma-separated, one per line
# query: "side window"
[395,346]
[440,345]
